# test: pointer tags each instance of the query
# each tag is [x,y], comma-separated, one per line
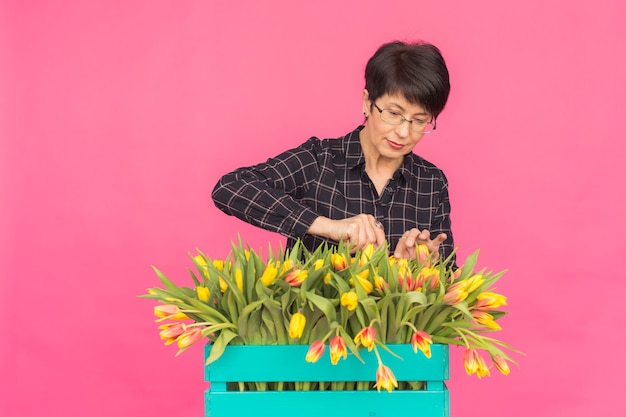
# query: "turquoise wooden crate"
[286,363]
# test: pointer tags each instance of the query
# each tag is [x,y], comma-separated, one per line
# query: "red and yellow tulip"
[169,312]
[296,277]
[422,341]
[490,301]
[366,337]
[385,378]
[315,352]
[338,349]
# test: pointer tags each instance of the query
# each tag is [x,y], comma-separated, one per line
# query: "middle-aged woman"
[367,186]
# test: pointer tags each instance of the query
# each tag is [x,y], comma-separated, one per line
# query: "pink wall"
[116,119]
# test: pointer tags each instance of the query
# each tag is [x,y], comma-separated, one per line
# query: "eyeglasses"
[417,125]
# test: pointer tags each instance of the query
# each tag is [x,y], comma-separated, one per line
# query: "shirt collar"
[354,152]
[355,157]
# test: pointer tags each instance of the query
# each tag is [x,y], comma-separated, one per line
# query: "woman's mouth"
[395,145]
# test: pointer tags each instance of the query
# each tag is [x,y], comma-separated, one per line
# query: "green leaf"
[219,346]
[323,304]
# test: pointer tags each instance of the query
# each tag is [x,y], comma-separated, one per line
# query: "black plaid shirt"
[327,178]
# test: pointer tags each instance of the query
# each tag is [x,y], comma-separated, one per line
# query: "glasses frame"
[404,119]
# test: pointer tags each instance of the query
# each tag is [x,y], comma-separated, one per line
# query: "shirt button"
[388,189]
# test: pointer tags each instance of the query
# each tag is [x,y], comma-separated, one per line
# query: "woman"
[367,186]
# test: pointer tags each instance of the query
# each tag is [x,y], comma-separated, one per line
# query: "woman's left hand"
[413,237]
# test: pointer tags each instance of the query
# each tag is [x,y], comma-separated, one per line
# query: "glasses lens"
[425,127]
[391,117]
[417,125]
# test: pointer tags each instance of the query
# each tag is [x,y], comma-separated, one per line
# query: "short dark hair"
[415,70]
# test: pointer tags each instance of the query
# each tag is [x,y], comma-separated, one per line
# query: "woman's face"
[385,140]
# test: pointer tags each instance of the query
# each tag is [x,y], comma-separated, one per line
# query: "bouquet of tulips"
[338,298]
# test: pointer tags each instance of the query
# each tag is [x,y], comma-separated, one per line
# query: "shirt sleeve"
[266,194]
[441,221]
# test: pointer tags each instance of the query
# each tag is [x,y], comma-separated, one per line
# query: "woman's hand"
[413,237]
[358,231]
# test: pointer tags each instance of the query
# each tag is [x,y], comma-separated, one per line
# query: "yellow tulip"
[223,285]
[218,264]
[203,294]
[474,282]
[349,300]
[362,276]
[318,264]
[200,260]
[296,325]
[269,274]
[366,254]
[239,279]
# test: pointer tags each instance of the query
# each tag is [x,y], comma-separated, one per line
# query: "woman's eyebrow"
[424,113]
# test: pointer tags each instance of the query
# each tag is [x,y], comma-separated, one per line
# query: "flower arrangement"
[337,299]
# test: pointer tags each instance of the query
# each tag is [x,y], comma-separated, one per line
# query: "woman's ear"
[366,103]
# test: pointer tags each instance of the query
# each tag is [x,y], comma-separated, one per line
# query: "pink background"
[117,118]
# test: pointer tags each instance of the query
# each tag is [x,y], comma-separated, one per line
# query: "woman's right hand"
[358,231]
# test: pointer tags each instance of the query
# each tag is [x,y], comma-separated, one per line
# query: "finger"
[411,237]
[441,237]
[401,247]
[379,233]
[424,235]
